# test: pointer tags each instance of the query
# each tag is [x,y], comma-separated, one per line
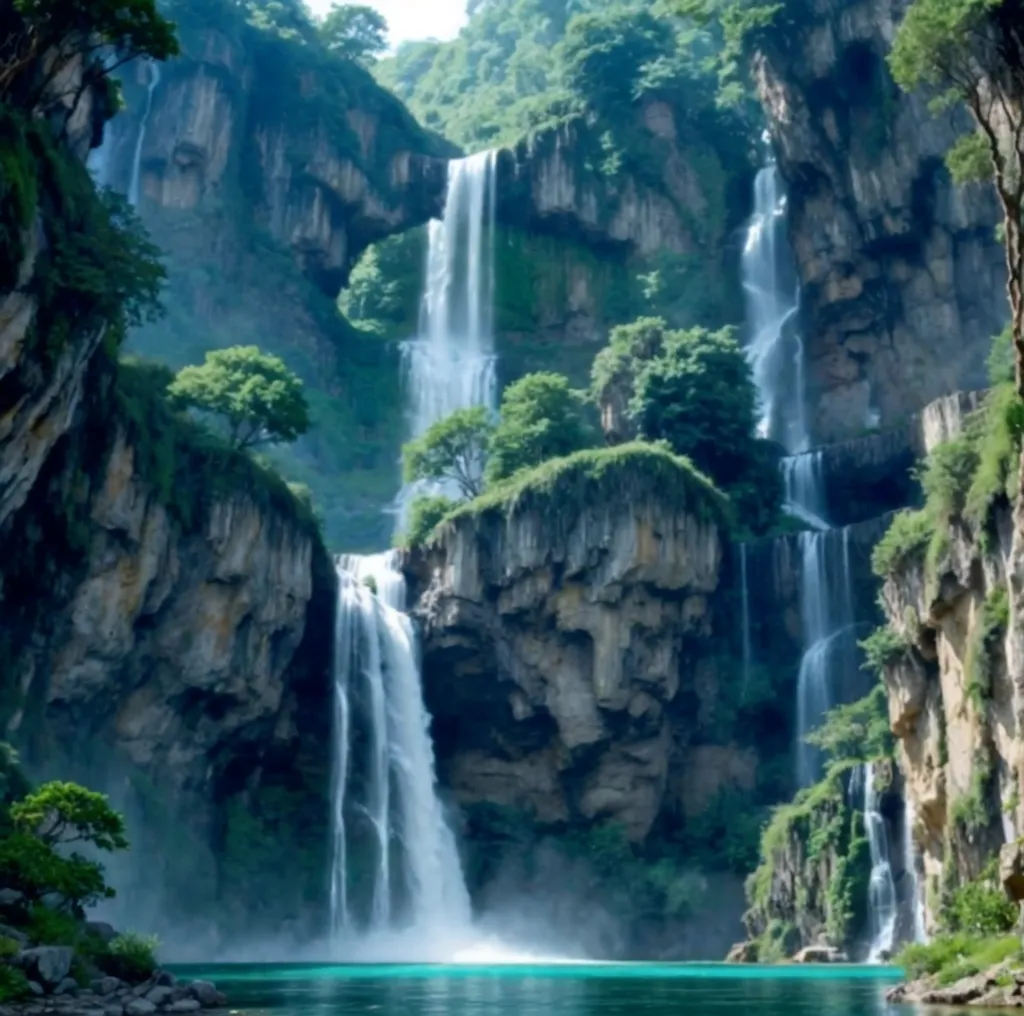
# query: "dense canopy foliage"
[261,401]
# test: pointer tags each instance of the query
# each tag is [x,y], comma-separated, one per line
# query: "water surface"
[555,990]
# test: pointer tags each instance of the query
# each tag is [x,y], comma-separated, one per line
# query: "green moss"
[883,648]
[951,957]
[846,898]
[907,539]
[990,630]
[560,488]
[972,810]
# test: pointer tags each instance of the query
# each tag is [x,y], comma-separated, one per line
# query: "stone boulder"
[820,954]
[47,964]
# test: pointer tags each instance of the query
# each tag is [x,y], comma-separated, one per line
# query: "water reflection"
[580,991]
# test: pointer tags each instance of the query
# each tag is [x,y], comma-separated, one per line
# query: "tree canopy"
[259,398]
[694,389]
[540,418]
[972,51]
[66,30]
[452,451]
[355,32]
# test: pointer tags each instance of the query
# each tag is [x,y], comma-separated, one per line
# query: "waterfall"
[451,364]
[772,296]
[915,899]
[882,910]
[416,878]
[136,177]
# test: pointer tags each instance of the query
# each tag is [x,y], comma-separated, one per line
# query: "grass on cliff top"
[186,466]
[566,485]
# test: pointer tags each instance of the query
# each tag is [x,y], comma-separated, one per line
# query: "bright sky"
[413,19]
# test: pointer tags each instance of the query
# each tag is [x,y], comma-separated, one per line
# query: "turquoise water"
[629,989]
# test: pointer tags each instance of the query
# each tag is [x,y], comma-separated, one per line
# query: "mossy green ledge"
[559,610]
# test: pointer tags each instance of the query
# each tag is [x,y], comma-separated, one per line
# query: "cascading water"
[914,897]
[450,364]
[882,910]
[769,282]
[377,681]
[776,355]
[134,186]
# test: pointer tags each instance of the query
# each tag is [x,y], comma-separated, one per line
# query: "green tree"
[452,450]
[694,389]
[34,857]
[972,51]
[541,418]
[69,30]
[355,32]
[606,53]
[425,512]
[257,395]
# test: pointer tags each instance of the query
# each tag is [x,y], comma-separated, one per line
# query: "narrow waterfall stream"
[914,894]
[135,184]
[882,910]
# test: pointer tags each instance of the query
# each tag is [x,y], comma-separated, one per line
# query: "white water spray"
[882,911]
[451,364]
[134,186]
[377,677]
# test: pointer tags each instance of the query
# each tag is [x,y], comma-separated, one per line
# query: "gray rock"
[205,993]
[67,986]
[105,985]
[222,1000]
[49,963]
[165,978]
[10,898]
[103,931]
[140,989]
[36,988]
[160,995]
[139,1007]
[184,1005]
[180,991]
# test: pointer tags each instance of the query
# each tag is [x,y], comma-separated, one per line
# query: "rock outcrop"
[560,623]
[160,593]
[902,278]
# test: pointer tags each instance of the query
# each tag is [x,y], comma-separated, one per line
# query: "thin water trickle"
[915,896]
[134,186]
[882,910]
[451,363]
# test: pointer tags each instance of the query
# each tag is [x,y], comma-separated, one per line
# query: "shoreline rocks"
[110,996]
[999,987]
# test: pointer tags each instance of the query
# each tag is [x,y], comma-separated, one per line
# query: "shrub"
[425,512]
[980,907]
[13,984]
[51,927]
[130,956]
[882,648]
[906,539]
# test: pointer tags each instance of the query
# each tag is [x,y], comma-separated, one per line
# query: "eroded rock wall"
[902,277]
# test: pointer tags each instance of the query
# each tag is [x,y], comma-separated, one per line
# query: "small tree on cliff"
[260,399]
[41,39]
[973,51]
[355,32]
[453,450]
[541,418]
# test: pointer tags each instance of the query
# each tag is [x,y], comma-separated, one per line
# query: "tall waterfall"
[411,864]
[774,347]
[451,364]
[882,909]
[134,186]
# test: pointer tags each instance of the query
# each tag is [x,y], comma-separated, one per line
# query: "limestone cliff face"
[902,278]
[554,641]
[323,181]
[148,633]
[954,700]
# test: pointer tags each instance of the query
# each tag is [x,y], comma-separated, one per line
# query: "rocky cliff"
[159,591]
[949,581]
[902,278]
